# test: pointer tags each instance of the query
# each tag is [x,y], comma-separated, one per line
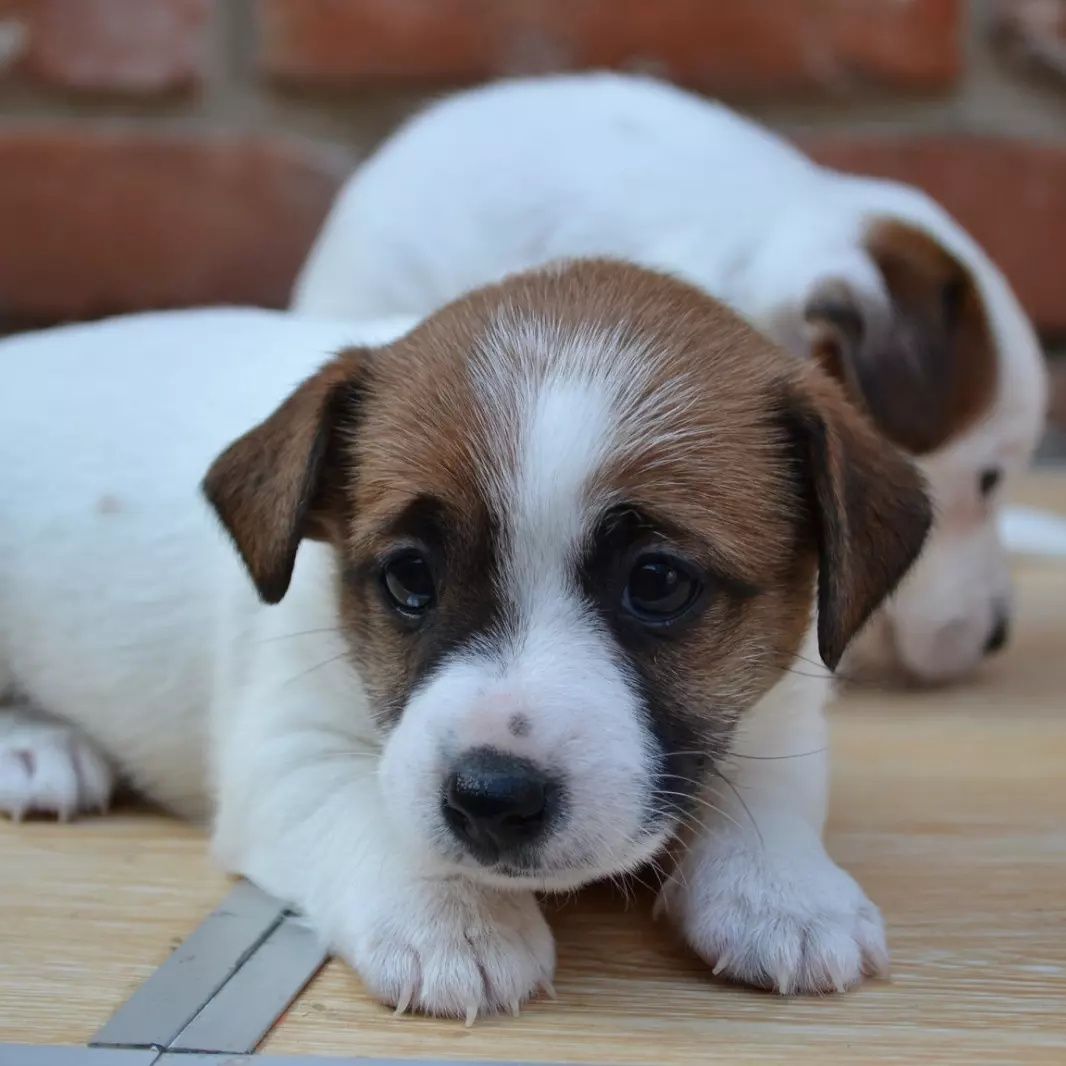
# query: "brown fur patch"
[929,371]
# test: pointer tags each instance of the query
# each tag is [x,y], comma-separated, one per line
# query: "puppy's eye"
[660,589]
[989,479]
[409,583]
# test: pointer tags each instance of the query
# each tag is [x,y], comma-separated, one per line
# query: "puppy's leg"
[302,816]
[48,766]
[756,894]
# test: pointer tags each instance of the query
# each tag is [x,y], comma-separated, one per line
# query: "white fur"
[756,894]
[132,642]
[514,175]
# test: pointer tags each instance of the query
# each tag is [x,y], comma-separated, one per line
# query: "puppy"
[868,277]
[551,573]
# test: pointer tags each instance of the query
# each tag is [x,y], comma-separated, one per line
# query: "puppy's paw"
[50,768]
[793,923]
[454,949]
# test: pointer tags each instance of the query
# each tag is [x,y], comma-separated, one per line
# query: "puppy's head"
[578,519]
[949,370]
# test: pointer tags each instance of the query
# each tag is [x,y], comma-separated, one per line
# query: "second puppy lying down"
[868,277]
[546,571]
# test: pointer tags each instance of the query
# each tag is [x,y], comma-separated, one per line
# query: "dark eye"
[660,589]
[408,583]
[990,478]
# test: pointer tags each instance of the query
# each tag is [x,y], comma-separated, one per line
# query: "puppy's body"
[112,579]
[870,277]
[543,563]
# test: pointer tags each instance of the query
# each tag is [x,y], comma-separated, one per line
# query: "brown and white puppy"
[552,570]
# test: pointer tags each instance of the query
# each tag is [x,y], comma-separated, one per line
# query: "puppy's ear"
[924,365]
[282,481]
[866,506]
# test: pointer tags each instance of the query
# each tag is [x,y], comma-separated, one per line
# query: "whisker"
[738,755]
[317,666]
[634,876]
[351,755]
[706,803]
[301,633]
[660,871]
[740,800]
[774,758]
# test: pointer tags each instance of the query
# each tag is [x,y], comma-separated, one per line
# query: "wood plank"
[90,909]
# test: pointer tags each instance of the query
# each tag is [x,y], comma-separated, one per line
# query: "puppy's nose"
[495,803]
[997,639]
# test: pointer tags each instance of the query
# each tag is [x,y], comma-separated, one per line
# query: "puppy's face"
[578,519]
[951,372]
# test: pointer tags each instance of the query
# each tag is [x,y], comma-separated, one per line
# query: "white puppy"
[547,567]
[870,277]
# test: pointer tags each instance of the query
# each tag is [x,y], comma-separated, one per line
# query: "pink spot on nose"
[497,719]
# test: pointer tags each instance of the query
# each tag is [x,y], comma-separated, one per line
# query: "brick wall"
[166,152]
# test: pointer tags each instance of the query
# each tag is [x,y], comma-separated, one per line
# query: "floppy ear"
[867,507]
[924,365]
[282,480]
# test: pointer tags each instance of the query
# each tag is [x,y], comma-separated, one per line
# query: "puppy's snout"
[496,803]
[997,639]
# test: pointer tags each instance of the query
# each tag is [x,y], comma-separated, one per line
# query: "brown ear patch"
[281,481]
[934,371]
[925,366]
[867,506]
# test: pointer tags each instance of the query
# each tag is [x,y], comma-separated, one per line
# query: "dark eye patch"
[642,584]
[417,587]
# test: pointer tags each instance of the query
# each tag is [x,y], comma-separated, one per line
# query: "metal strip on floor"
[171,1058]
[46,1055]
[245,1009]
[172,996]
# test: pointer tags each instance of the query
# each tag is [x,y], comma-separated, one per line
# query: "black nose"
[496,803]
[999,636]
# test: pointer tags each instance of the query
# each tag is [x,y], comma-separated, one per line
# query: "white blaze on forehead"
[562,445]
[561,403]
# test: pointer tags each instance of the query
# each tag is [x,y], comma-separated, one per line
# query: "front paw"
[50,768]
[452,948]
[791,923]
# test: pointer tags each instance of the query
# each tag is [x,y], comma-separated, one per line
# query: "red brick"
[1010,195]
[119,46]
[1032,33]
[95,222]
[755,46]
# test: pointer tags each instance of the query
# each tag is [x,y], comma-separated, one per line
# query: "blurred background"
[162,153]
